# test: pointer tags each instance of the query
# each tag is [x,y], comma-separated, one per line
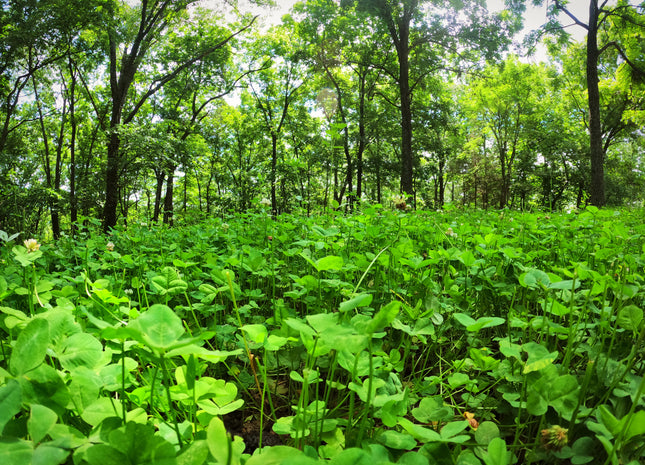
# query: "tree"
[187,100]
[507,101]
[426,41]
[438,135]
[127,47]
[37,39]
[275,86]
[600,16]
[345,51]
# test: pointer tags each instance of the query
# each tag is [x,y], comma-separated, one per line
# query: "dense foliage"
[143,110]
[380,337]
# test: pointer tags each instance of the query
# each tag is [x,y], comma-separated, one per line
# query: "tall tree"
[127,47]
[346,52]
[507,101]
[425,35]
[599,17]
[274,88]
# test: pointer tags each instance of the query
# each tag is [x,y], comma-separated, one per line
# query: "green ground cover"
[381,337]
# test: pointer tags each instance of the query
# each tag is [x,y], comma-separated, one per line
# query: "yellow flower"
[31,245]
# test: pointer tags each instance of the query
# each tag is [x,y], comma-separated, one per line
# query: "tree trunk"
[596,152]
[168,204]
[111,183]
[58,165]
[274,169]
[52,201]
[160,176]
[407,162]
[442,184]
[73,206]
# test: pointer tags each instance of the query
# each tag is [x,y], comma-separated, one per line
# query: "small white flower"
[450,233]
[265,202]
[109,246]
[225,227]
[31,245]
[129,291]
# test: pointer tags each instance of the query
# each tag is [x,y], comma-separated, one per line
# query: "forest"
[142,111]
[368,232]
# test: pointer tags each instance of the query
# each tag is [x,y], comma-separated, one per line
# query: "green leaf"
[301,326]
[395,440]
[384,317]
[40,422]
[31,347]
[467,457]
[81,349]
[280,455]
[432,409]
[363,389]
[47,454]
[159,327]
[534,279]
[630,318]
[536,403]
[168,282]
[361,300]
[486,432]
[142,445]
[101,409]
[353,456]
[102,454]
[613,424]
[85,386]
[196,453]
[191,372]
[16,451]
[538,357]
[497,454]
[258,333]
[331,262]
[453,428]
[412,458]
[482,322]
[467,258]
[10,402]
[24,257]
[15,318]
[419,432]
[635,425]
[563,395]
[463,319]
[220,444]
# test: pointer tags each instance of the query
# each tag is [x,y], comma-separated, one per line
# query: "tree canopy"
[121,111]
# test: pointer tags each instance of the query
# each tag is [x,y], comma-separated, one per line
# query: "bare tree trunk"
[596,152]
[160,176]
[168,203]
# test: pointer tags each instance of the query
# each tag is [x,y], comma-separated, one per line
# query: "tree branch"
[565,10]
[638,71]
[160,82]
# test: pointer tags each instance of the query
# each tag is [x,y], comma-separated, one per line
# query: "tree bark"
[160,176]
[73,204]
[168,200]
[596,152]
[403,52]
